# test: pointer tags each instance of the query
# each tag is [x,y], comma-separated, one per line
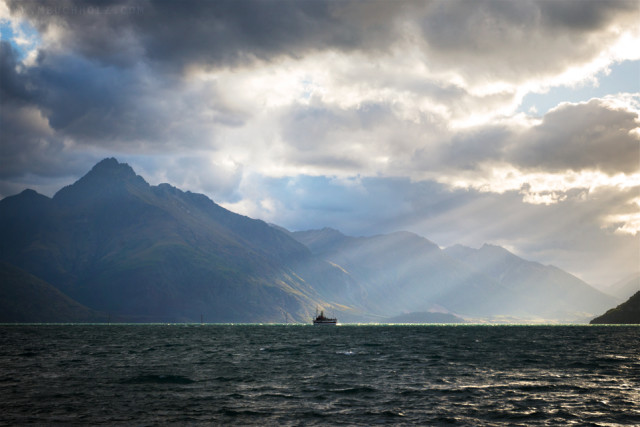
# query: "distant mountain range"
[111,246]
[541,290]
[626,287]
[425,317]
[405,272]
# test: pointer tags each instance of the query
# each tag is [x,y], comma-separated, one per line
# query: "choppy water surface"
[305,375]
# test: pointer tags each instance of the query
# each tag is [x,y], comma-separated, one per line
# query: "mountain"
[322,241]
[626,313]
[403,272]
[25,298]
[625,287]
[116,244]
[111,243]
[547,291]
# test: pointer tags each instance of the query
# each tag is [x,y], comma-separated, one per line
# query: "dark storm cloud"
[515,40]
[63,96]
[83,99]
[581,14]
[226,32]
[99,77]
[55,110]
[27,140]
[98,105]
[486,24]
[213,33]
[14,89]
[66,88]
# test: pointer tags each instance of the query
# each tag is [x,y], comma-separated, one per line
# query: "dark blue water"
[305,375]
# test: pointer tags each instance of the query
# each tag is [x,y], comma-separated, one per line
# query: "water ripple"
[285,375]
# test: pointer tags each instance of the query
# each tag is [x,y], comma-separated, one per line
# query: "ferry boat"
[321,320]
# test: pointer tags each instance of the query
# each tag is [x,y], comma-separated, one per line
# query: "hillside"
[626,287]
[626,313]
[116,244]
[405,272]
[547,291]
[25,298]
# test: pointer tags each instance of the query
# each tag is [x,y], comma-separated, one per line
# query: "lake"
[304,375]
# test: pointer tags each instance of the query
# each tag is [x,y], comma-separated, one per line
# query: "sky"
[514,123]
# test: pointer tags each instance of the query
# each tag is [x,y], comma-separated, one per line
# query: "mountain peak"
[108,162]
[460,252]
[332,231]
[30,194]
[112,168]
[320,241]
[107,176]
[495,250]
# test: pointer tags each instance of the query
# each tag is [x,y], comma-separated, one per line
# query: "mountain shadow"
[25,298]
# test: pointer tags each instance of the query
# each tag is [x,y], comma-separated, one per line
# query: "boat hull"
[324,323]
